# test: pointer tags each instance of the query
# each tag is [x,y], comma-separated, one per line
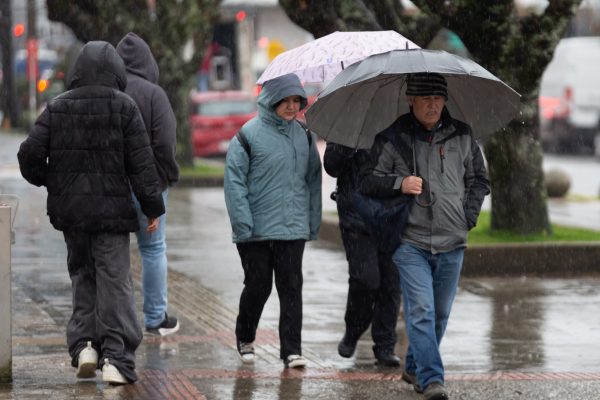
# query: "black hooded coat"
[89,148]
[158,116]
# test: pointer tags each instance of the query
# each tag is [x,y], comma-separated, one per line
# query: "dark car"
[215,118]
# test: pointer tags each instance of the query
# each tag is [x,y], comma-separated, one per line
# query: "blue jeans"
[153,251]
[428,283]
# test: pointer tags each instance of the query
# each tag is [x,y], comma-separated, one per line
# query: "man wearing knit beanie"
[429,93]
[434,160]
[426,84]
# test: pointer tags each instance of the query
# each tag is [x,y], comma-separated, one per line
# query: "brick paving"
[200,362]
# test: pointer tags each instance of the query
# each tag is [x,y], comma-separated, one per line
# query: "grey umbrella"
[368,96]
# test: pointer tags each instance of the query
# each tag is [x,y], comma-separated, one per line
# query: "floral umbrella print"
[322,59]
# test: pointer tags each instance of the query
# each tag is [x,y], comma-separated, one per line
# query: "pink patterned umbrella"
[322,59]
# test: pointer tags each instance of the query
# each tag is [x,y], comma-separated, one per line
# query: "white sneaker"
[246,352]
[295,361]
[87,362]
[111,374]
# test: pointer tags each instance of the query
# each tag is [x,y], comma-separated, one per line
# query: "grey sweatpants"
[103,299]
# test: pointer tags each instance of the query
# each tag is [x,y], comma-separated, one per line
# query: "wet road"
[516,338]
[526,324]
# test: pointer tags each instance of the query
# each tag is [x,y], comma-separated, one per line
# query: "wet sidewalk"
[507,339]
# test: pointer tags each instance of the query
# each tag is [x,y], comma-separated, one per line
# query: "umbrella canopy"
[322,59]
[369,96]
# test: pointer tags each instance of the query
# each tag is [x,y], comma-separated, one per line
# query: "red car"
[215,118]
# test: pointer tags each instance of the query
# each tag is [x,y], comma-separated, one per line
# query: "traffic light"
[240,16]
[18,30]
[42,85]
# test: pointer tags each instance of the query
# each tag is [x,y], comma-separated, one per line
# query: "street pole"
[5,294]
[32,62]
[9,94]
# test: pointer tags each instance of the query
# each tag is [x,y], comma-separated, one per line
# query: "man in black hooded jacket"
[374,285]
[159,119]
[89,148]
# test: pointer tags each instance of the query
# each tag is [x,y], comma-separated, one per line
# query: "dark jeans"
[103,299]
[373,293]
[260,261]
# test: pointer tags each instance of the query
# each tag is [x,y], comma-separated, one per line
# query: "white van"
[569,101]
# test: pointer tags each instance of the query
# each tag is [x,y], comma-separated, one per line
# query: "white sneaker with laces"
[246,352]
[87,362]
[111,374]
[295,361]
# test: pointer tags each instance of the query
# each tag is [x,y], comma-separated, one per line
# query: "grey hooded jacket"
[158,116]
[450,162]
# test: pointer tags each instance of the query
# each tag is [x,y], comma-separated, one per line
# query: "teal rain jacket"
[275,192]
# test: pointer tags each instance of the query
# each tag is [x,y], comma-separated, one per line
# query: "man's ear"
[410,100]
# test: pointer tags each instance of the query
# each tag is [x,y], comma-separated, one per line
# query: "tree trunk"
[9,96]
[178,95]
[514,160]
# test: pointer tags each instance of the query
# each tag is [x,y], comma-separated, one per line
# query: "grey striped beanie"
[426,84]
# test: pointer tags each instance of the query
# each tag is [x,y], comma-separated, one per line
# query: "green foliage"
[483,234]
[168,29]
[201,169]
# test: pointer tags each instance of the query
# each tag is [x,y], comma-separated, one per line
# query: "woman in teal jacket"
[273,197]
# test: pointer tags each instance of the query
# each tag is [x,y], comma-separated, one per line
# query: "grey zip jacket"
[452,166]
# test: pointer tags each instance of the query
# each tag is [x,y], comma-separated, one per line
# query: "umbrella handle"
[414,153]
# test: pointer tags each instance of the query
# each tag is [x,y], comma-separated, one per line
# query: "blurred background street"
[510,337]
[535,336]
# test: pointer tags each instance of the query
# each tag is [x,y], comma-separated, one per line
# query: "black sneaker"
[169,326]
[387,359]
[347,346]
[245,352]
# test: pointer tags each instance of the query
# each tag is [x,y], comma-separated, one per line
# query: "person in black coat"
[160,123]
[374,285]
[89,148]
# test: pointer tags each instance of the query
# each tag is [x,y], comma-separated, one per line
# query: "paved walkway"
[199,362]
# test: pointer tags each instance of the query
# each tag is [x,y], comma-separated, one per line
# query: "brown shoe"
[436,391]
[412,380]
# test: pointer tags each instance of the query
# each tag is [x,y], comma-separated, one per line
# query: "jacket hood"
[138,58]
[277,89]
[98,64]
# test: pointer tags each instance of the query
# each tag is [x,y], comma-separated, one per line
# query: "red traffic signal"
[18,30]
[240,16]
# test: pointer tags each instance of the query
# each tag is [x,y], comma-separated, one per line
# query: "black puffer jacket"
[344,163]
[89,145]
[158,116]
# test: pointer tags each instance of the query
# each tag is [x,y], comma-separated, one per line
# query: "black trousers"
[103,299]
[373,292]
[262,260]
